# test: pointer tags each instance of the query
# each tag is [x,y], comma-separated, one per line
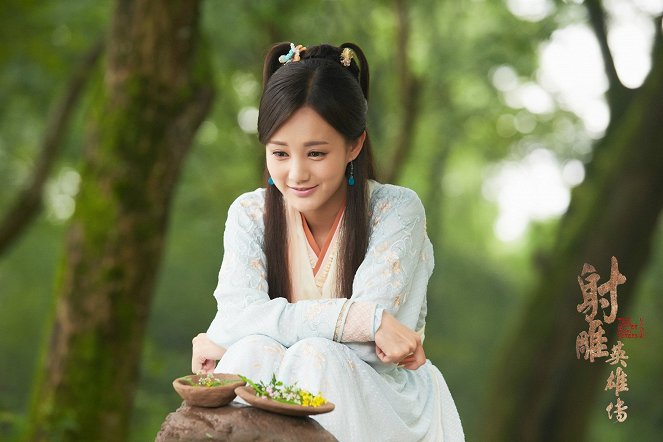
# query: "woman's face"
[307,158]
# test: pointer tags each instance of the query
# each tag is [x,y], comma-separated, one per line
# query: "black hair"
[339,94]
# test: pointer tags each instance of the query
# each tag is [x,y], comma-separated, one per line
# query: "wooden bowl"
[200,396]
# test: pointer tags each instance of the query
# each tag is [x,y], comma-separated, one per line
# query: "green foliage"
[479,283]
[26,281]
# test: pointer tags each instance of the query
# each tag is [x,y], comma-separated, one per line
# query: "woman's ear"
[356,146]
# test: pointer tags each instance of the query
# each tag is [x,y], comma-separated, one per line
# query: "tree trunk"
[540,390]
[156,91]
[409,90]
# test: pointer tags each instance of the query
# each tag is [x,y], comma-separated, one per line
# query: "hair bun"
[355,62]
[362,66]
[272,62]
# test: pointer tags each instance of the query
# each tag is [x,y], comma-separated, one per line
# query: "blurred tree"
[29,202]
[409,89]
[464,125]
[539,390]
[156,91]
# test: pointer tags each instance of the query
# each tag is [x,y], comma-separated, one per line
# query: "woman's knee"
[314,364]
[314,344]
[314,351]
[254,347]
[256,342]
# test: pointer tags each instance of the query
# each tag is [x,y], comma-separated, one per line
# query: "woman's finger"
[407,359]
[196,365]
[381,354]
[208,366]
[414,360]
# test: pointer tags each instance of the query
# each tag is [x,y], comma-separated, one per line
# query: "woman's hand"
[395,343]
[205,354]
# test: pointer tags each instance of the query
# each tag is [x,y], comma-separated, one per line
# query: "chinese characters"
[617,381]
[592,343]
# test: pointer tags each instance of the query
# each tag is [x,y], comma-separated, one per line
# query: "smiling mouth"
[303,192]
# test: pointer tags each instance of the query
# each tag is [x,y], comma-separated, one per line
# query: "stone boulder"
[238,423]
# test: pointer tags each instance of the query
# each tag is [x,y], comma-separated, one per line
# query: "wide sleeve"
[398,264]
[244,306]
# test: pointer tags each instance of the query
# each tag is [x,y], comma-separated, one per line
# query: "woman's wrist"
[377,319]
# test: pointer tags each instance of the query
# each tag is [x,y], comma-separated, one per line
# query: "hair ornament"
[346,57]
[293,54]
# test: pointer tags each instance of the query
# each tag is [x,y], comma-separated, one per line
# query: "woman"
[324,274]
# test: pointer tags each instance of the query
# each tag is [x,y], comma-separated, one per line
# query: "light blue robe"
[296,341]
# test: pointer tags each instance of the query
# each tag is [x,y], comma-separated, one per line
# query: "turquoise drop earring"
[270,181]
[351,179]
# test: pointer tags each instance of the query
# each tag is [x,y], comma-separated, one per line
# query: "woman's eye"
[279,154]
[317,154]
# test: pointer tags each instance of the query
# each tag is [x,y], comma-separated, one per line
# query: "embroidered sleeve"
[398,264]
[342,320]
[359,323]
[244,306]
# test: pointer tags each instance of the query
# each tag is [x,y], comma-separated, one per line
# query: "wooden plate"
[207,396]
[249,395]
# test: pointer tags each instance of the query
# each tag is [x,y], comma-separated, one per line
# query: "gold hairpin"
[346,57]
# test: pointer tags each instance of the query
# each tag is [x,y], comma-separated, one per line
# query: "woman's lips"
[303,191]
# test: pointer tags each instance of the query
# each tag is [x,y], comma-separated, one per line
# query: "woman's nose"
[298,172]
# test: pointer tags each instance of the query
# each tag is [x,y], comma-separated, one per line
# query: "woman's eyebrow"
[315,143]
[307,144]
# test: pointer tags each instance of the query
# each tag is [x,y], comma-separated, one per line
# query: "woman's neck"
[320,224]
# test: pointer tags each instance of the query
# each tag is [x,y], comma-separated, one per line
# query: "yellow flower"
[309,400]
[318,401]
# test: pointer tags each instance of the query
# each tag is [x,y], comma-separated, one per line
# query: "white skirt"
[394,404]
